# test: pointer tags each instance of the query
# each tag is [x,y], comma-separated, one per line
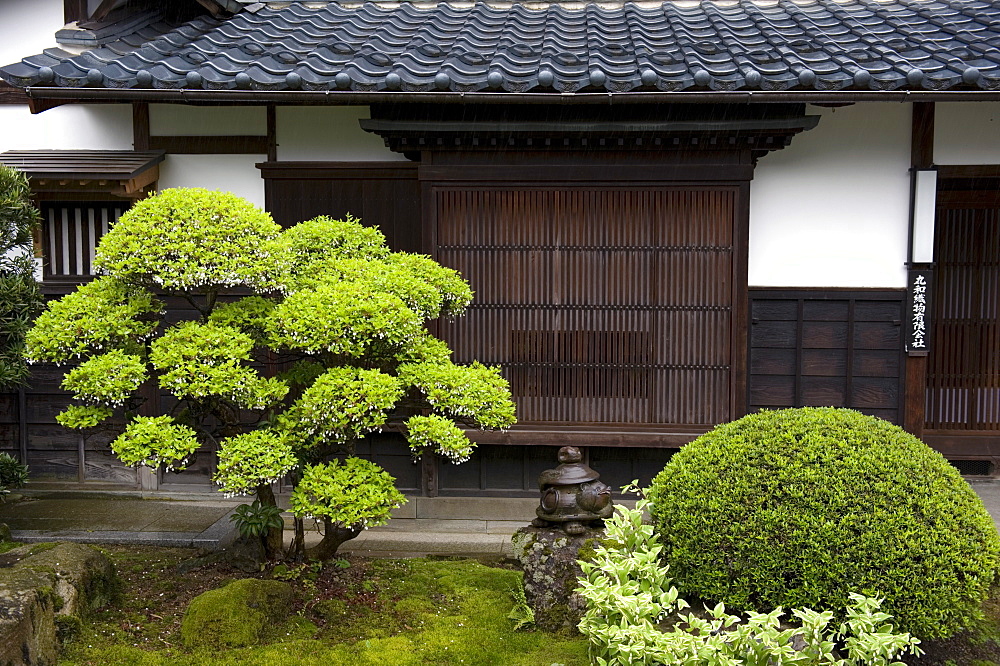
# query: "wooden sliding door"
[603,305]
[963,379]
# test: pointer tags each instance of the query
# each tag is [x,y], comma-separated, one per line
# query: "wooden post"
[140,126]
[921,157]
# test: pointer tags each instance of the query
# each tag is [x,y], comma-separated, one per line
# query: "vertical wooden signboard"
[918,312]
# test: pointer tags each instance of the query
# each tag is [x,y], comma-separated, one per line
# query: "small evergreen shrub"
[801,507]
[635,616]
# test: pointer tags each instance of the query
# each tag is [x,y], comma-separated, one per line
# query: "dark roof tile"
[823,45]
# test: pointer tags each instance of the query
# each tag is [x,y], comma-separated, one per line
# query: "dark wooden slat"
[211,145]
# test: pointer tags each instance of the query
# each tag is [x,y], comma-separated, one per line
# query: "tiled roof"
[824,45]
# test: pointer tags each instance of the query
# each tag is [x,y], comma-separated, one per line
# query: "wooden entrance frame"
[683,146]
[731,170]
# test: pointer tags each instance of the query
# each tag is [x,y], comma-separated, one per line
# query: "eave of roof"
[824,51]
[82,164]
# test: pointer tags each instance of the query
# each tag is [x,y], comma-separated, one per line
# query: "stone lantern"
[573,496]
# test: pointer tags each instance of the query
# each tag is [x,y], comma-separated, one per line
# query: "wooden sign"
[918,313]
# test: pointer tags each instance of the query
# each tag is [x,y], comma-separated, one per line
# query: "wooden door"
[603,305]
[963,379]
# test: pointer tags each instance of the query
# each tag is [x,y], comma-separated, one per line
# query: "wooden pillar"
[140,126]
[272,133]
[921,157]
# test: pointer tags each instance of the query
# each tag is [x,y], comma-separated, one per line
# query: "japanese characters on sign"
[918,313]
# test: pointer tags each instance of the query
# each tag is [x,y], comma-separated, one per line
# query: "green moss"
[42,547]
[68,627]
[9,545]
[403,612]
[242,613]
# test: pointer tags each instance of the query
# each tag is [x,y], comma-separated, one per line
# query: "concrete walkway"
[423,526]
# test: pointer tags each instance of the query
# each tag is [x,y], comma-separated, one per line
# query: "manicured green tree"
[343,313]
[802,507]
[20,298]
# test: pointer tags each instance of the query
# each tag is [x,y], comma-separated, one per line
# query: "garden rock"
[240,614]
[549,559]
[45,587]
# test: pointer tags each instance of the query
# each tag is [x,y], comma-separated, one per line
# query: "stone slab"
[507,527]
[521,509]
[428,542]
[423,525]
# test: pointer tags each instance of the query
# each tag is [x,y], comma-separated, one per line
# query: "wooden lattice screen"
[963,382]
[602,305]
[71,232]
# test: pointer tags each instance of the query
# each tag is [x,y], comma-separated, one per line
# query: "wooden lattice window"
[601,304]
[71,231]
[963,379]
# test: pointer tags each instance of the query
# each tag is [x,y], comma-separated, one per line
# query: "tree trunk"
[297,550]
[333,536]
[274,539]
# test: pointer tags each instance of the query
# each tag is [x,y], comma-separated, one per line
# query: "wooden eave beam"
[211,145]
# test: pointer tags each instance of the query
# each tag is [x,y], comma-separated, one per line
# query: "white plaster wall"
[180,120]
[27,27]
[67,127]
[320,133]
[967,133]
[832,210]
[230,173]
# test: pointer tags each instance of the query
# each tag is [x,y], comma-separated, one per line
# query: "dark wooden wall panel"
[383,194]
[815,347]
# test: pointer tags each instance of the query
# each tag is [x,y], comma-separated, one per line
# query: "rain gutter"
[348,97]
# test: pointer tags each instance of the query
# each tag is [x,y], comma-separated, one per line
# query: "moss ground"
[385,612]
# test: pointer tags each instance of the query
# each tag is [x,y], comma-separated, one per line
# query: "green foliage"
[329,301]
[13,473]
[254,520]
[155,440]
[18,215]
[191,239]
[439,435]
[20,298]
[248,315]
[101,315]
[455,292]
[80,417]
[473,392]
[20,303]
[107,379]
[249,460]
[203,360]
[634,616]
[322,240]
[352,493]
[344,319]
[342,404]
[819,503]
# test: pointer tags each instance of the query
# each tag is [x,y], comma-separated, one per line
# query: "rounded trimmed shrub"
[801,507]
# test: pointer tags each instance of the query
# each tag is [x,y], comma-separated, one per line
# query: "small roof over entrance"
[121,172]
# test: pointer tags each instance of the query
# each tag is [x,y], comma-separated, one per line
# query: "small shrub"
[254,520]
[801,507]
[13,473]
[631,601]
